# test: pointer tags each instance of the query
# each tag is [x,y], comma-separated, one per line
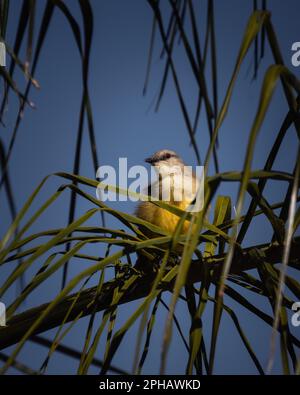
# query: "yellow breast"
[161,217]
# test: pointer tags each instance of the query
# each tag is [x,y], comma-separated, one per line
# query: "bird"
[176,184]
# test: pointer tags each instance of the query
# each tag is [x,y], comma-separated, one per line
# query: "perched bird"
[176,184]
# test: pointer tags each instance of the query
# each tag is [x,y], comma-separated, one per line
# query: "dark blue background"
[127,126]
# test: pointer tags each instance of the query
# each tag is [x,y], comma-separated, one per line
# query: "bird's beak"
[149,160]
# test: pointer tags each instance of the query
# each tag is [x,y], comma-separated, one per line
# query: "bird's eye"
[167,156]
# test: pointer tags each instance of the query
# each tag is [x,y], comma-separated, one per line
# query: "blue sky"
[127,126]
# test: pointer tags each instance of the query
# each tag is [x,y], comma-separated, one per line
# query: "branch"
[245,260]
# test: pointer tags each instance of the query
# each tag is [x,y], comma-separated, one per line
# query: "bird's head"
[164,161]
[164,157]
